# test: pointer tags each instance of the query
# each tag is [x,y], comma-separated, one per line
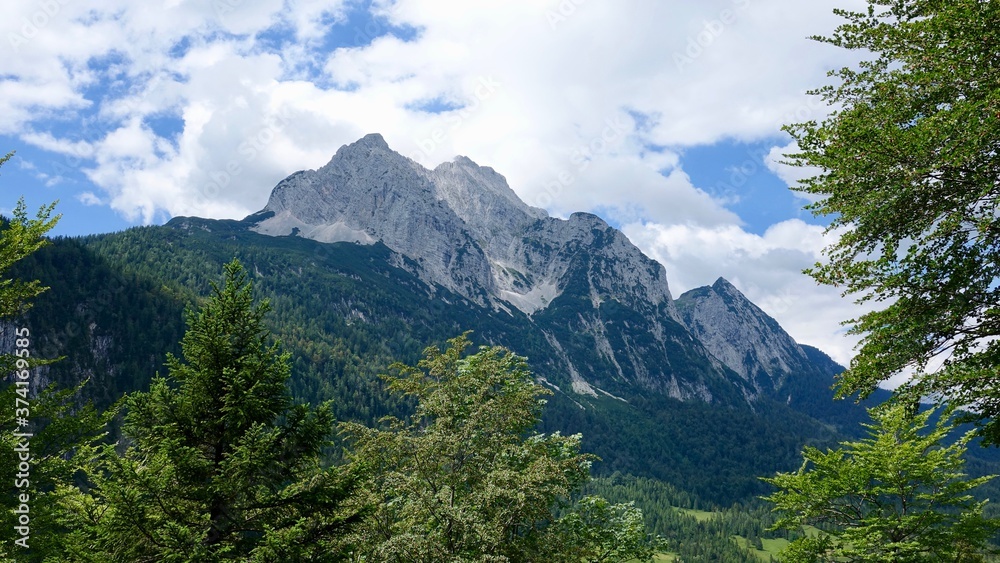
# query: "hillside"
[654,388]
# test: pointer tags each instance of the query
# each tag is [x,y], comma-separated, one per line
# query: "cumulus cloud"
[88,198]
[766,268]
[556,73]
[791,175]
[584,106]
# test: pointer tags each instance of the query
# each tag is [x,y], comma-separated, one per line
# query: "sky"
[662,116]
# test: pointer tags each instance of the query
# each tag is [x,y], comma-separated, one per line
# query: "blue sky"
[663,117]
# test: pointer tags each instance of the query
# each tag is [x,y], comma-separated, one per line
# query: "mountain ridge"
[604,335]
[462,227]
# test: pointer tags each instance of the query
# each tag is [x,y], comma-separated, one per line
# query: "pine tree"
[219,464]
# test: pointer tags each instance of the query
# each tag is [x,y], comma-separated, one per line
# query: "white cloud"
[791,175]
[583,105]
[562,71]
[766,268]
[88,198]
[66,147]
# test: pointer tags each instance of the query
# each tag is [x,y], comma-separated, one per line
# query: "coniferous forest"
[132,320]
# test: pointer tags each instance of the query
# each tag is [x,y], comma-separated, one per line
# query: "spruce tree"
[219,464]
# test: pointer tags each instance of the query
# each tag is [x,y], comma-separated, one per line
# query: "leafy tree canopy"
[465,479]
[19,238]
[898,495]
[909,171]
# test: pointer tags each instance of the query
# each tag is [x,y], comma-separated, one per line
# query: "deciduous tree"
[19,238]
[909,172]
[466,478]
[897,496]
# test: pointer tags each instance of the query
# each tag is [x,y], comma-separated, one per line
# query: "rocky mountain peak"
[741,335]
[372,149]
[484,200]
[374,139]
[464,226]
[369,193]
[723,286]
[584,220]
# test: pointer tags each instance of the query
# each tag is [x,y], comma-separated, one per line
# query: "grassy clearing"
[699,515]
[771,547]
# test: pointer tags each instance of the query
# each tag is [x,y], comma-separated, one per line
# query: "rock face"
[367,193]
[603,306]
[744,337]
[461,222]
[482,198]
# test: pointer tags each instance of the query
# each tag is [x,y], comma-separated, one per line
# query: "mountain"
[461,227]
[372,257]
[369,193]
[461,222]
[752,344]
[744,337]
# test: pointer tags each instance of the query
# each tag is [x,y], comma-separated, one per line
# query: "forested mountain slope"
[371,258]
[117,303]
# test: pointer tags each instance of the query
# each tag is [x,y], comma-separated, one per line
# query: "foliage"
[57,427]
[19,238]
[596,530]
[908,166]
[898,495]
[64,436]
[345,314]
[686,526]
[465,480]
[219,464]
